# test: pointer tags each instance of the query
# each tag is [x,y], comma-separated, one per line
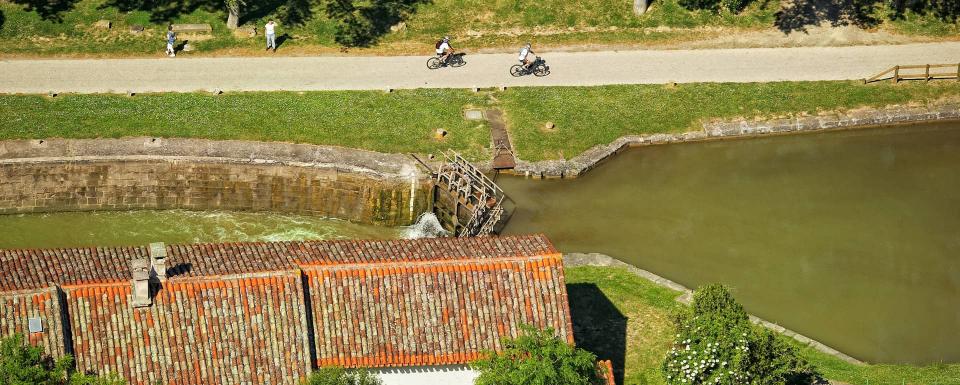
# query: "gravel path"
[484,70]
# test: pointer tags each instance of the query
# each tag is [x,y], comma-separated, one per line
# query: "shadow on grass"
[598,326]
[47,9]
[798,15]
[164,10]
[287,12]
[3,19]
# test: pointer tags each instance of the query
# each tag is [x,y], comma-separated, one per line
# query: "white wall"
[428,375]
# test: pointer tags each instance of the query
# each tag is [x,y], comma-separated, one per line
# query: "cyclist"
[527,57]
[444,50]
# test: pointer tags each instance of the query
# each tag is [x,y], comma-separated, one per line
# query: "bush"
[339,376]
[538,357]
[23,364]
[717,343]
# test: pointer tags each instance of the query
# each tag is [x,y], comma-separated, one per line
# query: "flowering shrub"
[538,357]
[717,344]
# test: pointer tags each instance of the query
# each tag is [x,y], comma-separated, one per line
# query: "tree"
[23,364]
[717,343]
[538,357]
[338,376]
[233,12]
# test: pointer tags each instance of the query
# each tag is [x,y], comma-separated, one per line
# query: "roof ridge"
[415,262]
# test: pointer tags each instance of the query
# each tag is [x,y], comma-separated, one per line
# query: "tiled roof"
[224,330]
[37,268]
[16,309]
[267,312]
[372,315]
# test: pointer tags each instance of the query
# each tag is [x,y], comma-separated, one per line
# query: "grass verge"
[600,296]
[587,116]
[402,121]
[405,121]
[474,24]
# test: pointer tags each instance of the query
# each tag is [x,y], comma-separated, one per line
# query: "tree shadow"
[47,9]
[164,10]
[3,19]
[287,12]
[598,326]
[798,15]
[363,25]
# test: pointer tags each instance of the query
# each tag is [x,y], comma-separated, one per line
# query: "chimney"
[158,261]
[141,282]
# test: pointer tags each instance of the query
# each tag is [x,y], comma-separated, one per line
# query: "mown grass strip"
[405,121]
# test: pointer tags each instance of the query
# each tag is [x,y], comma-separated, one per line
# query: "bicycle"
[454,60]
[539,68]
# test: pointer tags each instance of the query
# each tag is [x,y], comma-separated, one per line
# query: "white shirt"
[269,28]
[523,53]
[443,46]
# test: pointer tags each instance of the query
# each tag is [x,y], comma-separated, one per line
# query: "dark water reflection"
[852,238]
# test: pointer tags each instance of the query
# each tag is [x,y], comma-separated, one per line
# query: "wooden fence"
[911,73]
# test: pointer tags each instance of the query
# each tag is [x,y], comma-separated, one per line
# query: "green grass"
[649,333]
[587,116]
[473,23]
[402,121]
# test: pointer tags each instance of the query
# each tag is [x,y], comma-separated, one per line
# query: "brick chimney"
[158,261]
[141,282]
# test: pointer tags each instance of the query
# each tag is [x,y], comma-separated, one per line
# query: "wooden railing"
[911,74]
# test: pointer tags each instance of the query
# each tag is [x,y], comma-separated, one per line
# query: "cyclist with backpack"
[444,50]
[527,57]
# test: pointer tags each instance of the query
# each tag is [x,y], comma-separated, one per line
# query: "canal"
[851,238]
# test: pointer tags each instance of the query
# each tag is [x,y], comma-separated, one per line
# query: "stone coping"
[203,150]
[739,129]
[602,260]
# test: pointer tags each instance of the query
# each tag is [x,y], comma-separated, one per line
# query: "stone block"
[103,24]
[245,32]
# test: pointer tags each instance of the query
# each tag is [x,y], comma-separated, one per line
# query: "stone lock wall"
[30,185]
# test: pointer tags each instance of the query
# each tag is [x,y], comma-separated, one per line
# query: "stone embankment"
[153,173]
[596,259]
[739,129]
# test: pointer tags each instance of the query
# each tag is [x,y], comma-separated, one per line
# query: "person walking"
[171,40]
[271,32]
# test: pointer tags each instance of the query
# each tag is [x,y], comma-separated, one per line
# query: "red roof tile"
[238,312]
[16,308]
[229,330]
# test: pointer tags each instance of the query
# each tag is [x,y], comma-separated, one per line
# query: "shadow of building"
[598,326]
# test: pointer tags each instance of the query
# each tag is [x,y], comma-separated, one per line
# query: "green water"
[851,238]
[124,228]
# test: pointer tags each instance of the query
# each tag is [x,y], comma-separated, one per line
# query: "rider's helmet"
[446,38]
[528,44]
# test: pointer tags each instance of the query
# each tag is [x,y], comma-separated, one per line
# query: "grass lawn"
[402,121]
[405,120]
[473,23]
[603,296]
[587,116]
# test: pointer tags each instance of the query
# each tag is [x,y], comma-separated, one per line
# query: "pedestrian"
[171,39]
[271,31]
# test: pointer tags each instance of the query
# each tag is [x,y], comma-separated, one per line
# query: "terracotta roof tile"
[238,312]
[37,268]
[442,312]
[213,330]
[16,308]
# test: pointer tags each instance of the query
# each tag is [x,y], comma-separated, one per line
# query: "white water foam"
[427,226]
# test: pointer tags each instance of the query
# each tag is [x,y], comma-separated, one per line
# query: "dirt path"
[482,70]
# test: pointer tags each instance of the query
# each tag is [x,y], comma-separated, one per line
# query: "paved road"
[486,70]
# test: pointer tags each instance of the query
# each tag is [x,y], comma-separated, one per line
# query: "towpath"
[482,70]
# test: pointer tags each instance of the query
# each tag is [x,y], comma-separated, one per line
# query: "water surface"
[852,238]
[127,228]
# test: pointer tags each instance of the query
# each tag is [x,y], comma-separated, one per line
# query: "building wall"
[428,375]
[208,184]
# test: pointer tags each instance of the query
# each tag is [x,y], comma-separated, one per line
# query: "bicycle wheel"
[433,63]
[516,70]
[457,61]
[541,71]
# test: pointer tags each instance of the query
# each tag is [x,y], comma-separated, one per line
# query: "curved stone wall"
[154,173]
